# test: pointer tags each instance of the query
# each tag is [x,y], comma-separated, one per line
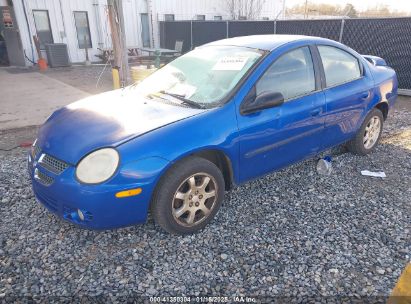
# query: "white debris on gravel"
[373,174]
[292,234]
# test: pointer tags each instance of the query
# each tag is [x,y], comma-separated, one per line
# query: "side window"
[339,66]
[292,75]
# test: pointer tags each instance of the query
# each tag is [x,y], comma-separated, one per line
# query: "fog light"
[130,192]
[80,214]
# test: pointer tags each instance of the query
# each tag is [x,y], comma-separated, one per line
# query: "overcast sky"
[400,5]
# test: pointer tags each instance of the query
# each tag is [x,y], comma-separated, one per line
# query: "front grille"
[52,164]
[43,178]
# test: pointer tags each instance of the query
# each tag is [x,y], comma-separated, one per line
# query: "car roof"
[262,42]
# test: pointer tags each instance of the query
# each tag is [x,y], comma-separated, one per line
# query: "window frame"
[35,25]
[88,27]
[218,18]
[317,80]
[317,76]
[322,70]
[142,30]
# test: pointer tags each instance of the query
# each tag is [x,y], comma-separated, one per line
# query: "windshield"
[203,76]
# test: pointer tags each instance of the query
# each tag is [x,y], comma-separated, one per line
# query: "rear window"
[339,66]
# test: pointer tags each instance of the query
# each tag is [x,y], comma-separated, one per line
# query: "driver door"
[276,137]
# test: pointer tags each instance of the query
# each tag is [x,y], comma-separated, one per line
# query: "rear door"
[275,137]
[347,88]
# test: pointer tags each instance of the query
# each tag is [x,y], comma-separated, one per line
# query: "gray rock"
[292,233]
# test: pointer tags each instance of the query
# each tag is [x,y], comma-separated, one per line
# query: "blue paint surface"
[151,136]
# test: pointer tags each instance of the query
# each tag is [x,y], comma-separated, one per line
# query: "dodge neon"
[220,115]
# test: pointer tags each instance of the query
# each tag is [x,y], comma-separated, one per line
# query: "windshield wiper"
[183,99]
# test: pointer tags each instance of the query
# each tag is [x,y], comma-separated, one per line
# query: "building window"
[242,18]
[145,30]
[218,18]
[169,17]
[266,18]
[200,17]
[43,28]
[83,30]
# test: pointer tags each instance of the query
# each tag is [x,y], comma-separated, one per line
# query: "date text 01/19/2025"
[200,299]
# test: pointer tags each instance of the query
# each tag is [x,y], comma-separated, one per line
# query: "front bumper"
[99,208]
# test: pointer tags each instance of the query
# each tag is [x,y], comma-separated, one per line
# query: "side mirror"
[263,101]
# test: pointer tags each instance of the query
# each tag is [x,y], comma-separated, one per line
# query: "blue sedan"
[221,115]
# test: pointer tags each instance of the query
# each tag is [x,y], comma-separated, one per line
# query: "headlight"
[98,166]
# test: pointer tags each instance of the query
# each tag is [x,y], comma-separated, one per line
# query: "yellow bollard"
[116,78]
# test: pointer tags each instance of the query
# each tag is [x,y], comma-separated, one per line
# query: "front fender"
[144,172]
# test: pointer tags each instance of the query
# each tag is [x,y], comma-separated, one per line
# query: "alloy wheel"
[372,132]
[194,199]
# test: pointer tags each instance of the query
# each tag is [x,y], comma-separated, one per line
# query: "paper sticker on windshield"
[230,63]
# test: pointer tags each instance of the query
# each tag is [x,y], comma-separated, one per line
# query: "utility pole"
[306,9]
[120,68]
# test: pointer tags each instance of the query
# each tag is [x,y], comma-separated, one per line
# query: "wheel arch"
[214,155]
[221,160]
[383,107]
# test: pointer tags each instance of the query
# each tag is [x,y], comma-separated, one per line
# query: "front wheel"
[188,196]
[368,135]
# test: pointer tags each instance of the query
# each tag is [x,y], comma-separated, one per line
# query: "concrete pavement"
[28,98]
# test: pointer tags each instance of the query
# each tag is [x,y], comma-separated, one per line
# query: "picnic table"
[133,53]
[107,53]
[153,51]
[133,50]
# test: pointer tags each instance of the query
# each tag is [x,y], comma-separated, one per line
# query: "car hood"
[105,120]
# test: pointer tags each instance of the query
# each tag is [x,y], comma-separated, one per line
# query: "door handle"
[315,112]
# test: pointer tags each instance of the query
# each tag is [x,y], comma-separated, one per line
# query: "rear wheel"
[369,134]
[188,196]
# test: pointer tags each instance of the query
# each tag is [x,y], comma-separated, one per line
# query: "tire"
[359,145]
[183,205]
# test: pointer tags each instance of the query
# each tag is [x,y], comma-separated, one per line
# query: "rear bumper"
[98,205]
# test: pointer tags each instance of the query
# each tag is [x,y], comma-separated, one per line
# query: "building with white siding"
[81,23]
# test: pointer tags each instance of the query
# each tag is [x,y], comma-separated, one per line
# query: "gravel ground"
[293,234]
